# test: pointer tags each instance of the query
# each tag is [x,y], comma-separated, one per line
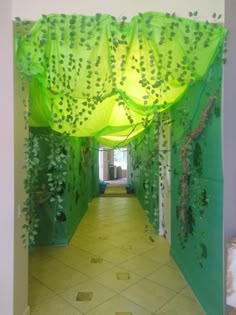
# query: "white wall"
[6,161]
[32,10]
[13,261]
[20,253]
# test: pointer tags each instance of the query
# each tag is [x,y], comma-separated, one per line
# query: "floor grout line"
[101,226]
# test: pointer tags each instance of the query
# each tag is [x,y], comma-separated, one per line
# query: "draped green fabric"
[96,76]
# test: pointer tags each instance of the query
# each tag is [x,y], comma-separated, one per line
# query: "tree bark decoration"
[185,178]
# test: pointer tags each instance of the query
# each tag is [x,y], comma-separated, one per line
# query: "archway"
[162,79]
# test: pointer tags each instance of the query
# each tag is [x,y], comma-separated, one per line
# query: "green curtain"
[96,76]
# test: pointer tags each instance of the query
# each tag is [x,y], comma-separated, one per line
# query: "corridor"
[114,265]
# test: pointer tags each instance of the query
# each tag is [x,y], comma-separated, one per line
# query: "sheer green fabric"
[96,76]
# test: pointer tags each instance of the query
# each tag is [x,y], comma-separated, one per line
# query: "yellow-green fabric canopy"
[96,76]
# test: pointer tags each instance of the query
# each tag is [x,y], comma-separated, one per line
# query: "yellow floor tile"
[109,279]
[159,254]
[38,292]
[187,292]
[80,239]
[100,295]
[148,294]
[39,252]
[141,265]
[96,247]
[118,304]
[55,306]
[94,269]
[59,277]
[117,256]
[181,305]
[70,255]
[168,277]
[112,235]
[39,267]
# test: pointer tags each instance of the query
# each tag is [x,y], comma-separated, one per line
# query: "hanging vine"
[31,186]
[40,189]
[136,67]
[154,54]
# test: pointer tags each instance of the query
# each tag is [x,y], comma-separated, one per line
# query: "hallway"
[114,265]
[115,188]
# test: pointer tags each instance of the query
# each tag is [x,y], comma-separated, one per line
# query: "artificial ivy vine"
[79,67]
[41,189]
[57,159]
[31,185]
[188,129]
[152,165]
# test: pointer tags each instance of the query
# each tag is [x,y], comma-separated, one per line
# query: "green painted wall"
[83,182]
[199,253]
[77,176]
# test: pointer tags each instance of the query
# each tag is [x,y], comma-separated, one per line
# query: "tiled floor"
[115,187]
[112,259]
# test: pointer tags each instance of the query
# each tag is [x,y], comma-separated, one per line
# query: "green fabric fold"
[96,76]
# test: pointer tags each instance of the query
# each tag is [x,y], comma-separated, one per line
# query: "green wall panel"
[199,254]
[82,184]
[78,173]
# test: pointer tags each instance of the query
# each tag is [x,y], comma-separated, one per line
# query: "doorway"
[113,169]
